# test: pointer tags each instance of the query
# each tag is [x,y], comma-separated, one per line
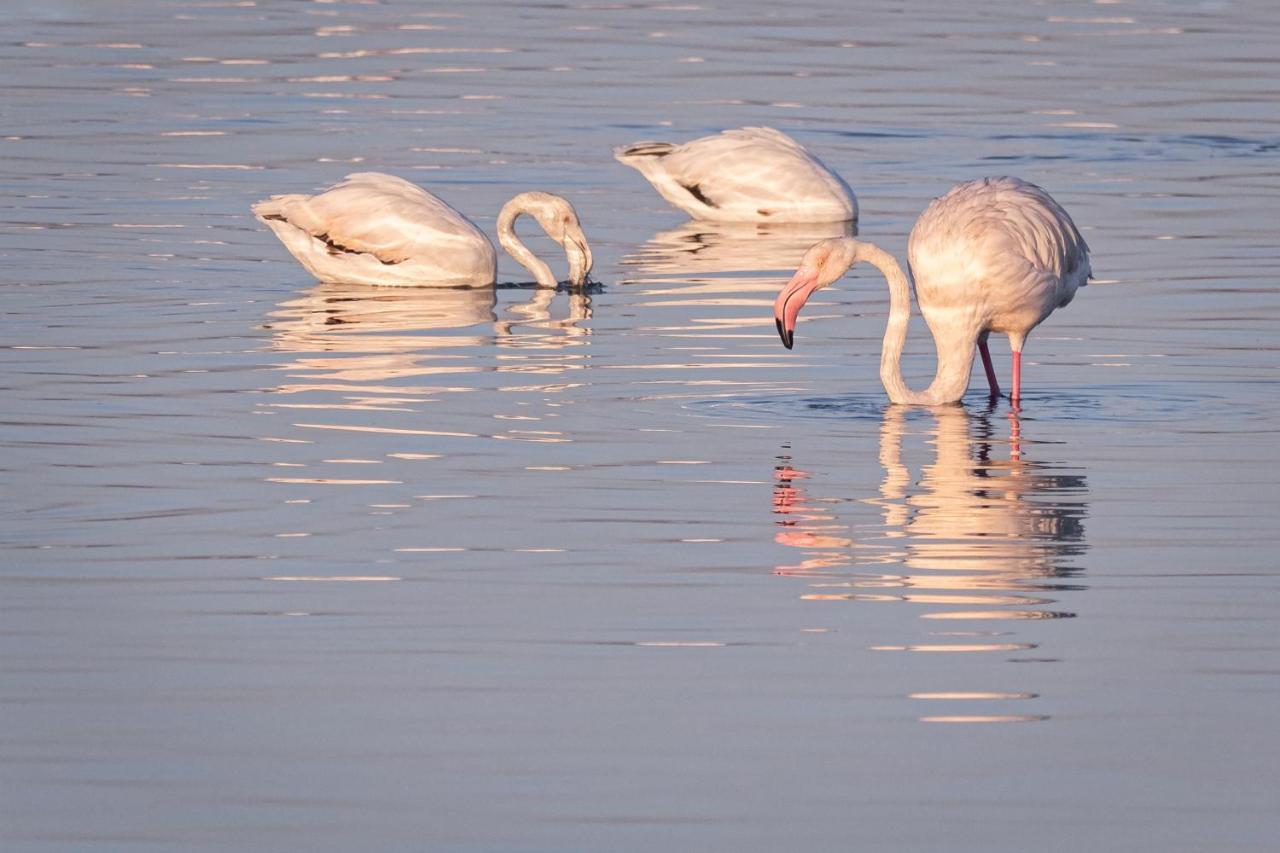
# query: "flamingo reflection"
[983,525]
[699,248]
[985,534]
[375,341]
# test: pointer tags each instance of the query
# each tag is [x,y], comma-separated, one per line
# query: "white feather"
[751,174]
[379,229]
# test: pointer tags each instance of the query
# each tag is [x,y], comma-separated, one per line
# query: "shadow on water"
[986,533]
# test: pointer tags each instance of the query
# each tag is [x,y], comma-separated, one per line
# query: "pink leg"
[1017,376]
[987,366]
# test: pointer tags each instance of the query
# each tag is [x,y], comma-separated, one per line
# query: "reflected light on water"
[393,327]
[361,348]
[165,357]
[698,247]
[985,718]
[983,524]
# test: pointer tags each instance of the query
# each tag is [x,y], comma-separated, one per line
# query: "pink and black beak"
[786,308]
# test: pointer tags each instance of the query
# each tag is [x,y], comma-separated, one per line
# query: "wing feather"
[744,174]
[755,166]
[372,213]
[980,222]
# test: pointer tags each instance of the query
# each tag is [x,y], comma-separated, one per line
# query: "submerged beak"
[786,308]
[575,246]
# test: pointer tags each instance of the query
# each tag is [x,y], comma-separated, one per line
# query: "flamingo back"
[749,174]
[999,249]
[380,229]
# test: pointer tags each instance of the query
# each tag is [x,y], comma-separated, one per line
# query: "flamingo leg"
[988,367]
[1017,376]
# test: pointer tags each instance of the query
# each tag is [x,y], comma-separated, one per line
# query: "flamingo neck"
[511,243]
[954,348]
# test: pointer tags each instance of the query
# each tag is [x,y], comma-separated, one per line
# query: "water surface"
[290,565]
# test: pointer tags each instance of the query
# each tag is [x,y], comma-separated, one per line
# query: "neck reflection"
[535,313]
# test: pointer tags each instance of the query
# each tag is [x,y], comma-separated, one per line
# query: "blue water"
[299,566]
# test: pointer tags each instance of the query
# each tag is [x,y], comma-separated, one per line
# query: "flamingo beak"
[786,308]
[575,246]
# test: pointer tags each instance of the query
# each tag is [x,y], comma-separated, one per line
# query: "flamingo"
[373,228]
[751,174]
[992,255]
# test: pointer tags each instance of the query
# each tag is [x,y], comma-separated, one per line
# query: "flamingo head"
[557,217]
[823,263]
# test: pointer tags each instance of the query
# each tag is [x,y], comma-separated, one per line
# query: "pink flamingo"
[993,255]
[750,174]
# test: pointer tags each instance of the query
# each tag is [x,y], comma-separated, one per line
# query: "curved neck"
[511,243]
[955,348]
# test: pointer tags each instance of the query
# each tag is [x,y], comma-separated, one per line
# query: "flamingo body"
[992,255]
[998,254]
[373,228]
[750,174]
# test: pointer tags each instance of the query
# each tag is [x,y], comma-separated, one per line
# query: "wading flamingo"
[751,174]
[379,229]
[993,255]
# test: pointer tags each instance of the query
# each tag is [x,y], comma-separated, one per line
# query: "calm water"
[291,566]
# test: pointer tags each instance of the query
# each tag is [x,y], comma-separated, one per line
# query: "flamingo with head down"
[379,229]
[750,174]
[992,255]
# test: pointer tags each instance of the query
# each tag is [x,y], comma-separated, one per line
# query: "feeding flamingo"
[751,174]
[379,229]
[992,255]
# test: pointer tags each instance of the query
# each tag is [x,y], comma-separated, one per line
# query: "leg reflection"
[984,540]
